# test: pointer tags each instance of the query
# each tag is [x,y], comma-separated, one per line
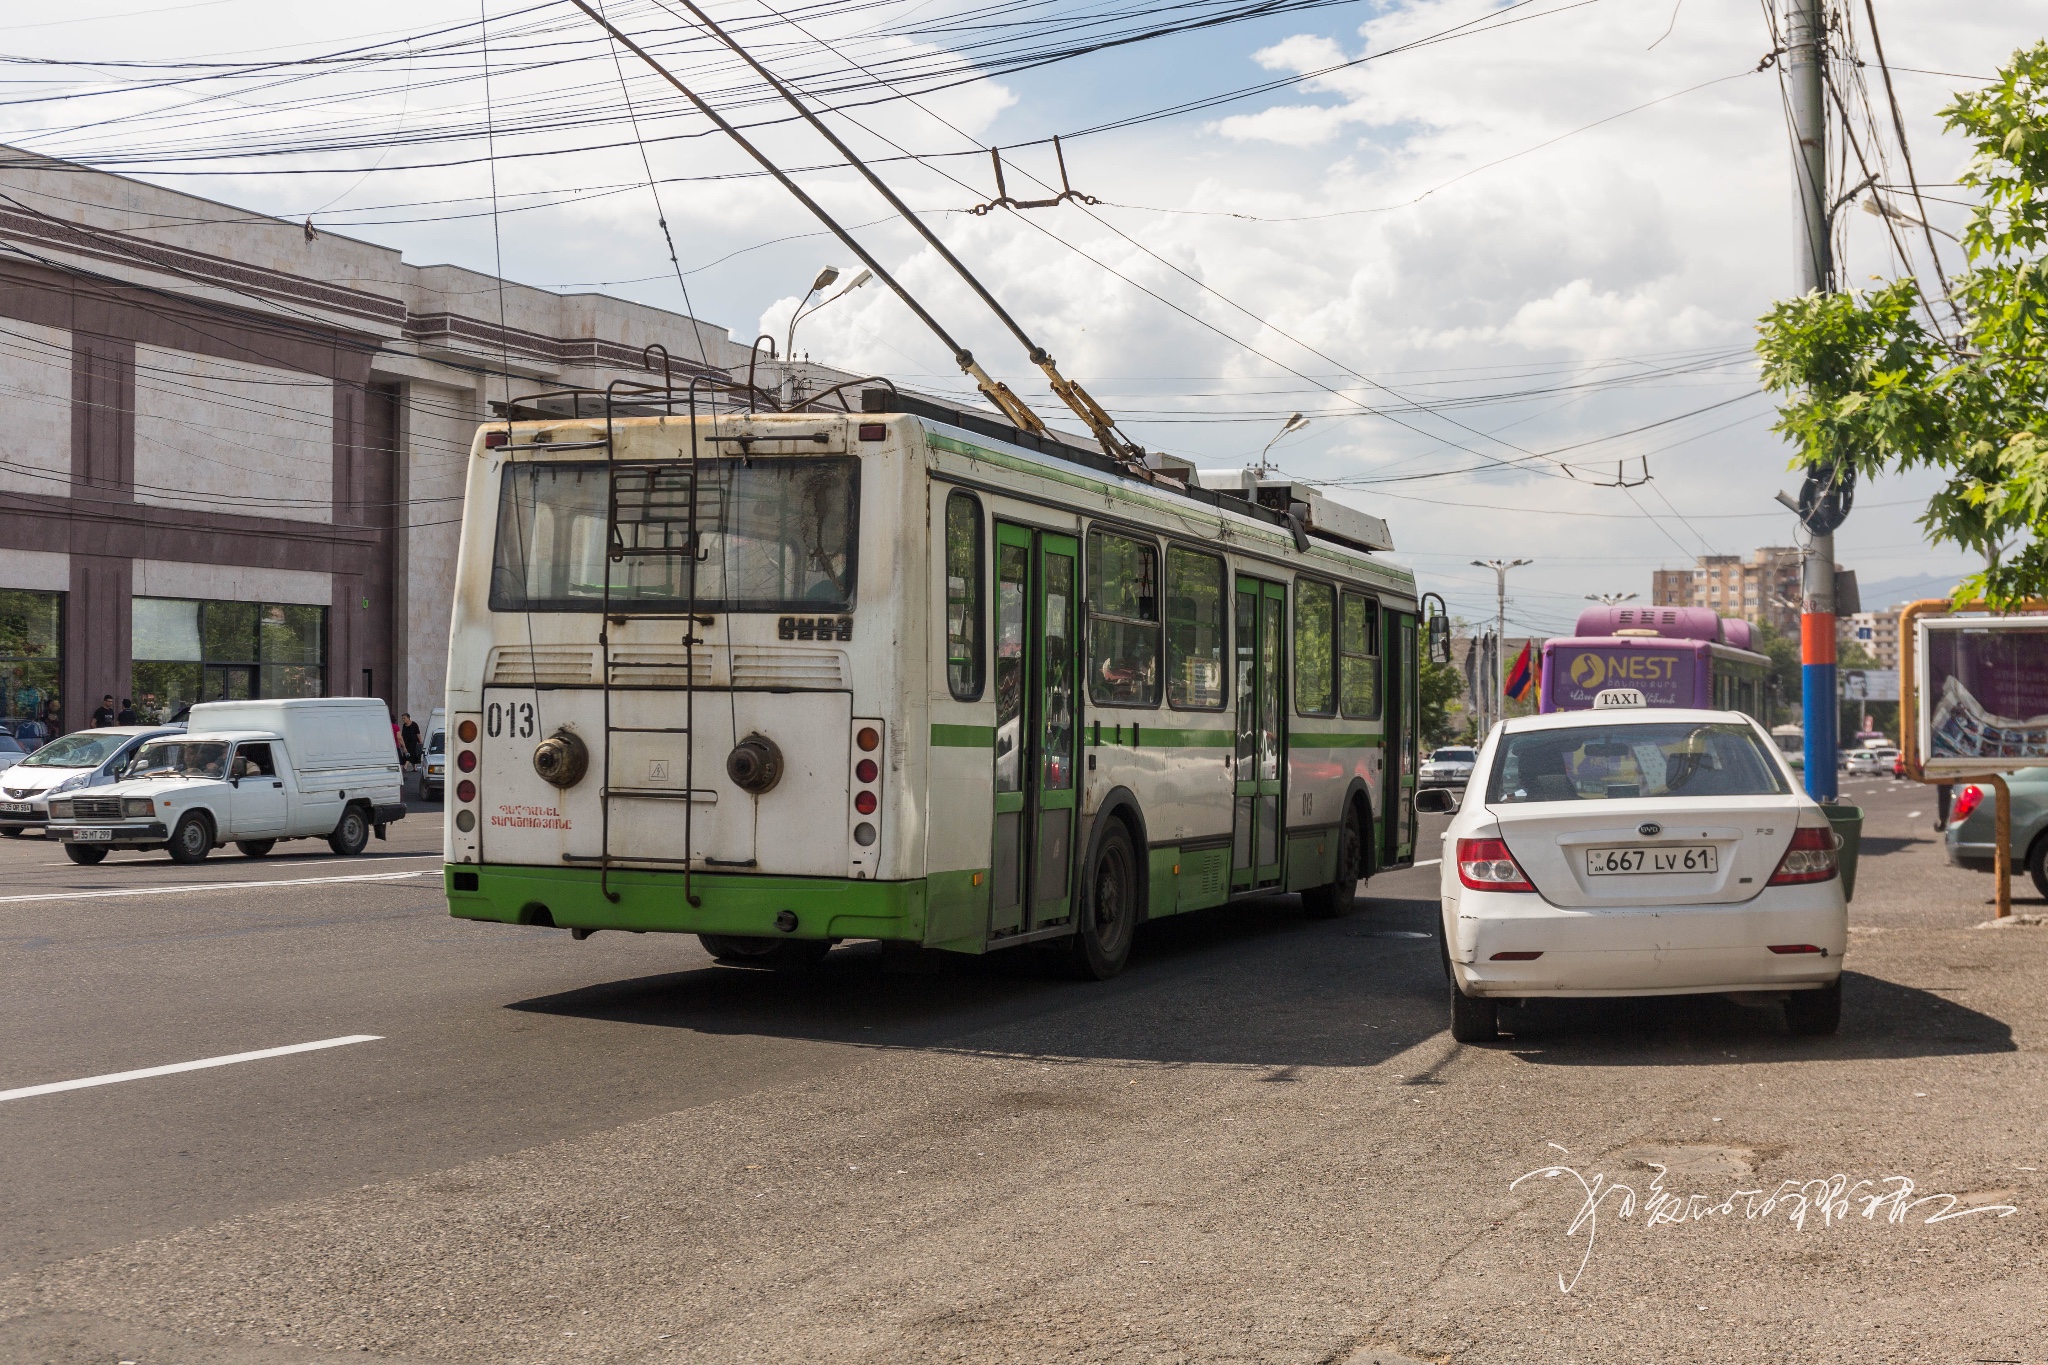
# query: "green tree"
[1867,386]
[1441,686]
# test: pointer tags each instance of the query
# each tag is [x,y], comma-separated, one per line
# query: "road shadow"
[1880,1020]
[1258,985]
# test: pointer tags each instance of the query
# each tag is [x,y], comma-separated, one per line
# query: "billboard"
[1664,676]
[1869,684]
[1982,693]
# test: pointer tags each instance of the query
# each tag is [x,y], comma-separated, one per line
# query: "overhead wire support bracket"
[1004,201]
[1621,478]
[1114,444]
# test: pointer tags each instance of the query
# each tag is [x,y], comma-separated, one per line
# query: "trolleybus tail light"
[869,739]
[466,760]
[1486,865]
[1811,858]
[466,732]
[865,770]
[1967,800]
[465,791]
[873,431]
[494,439]
[864,802]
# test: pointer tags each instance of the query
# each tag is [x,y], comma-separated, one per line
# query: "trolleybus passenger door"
[1399,770]
[1037,729]
[1258,770]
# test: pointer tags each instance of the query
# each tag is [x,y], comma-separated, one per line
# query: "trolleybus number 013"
[514,718]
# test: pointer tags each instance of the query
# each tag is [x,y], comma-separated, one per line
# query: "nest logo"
[1589,671]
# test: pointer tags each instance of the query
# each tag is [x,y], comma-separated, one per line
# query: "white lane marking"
[1429,862]
[202,1064]
[382,858]
[211,886]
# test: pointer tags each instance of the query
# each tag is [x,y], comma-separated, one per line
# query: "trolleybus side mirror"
[1439,639]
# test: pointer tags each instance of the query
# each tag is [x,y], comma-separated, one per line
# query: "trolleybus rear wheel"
[1338,898]
[780,954]
[1108,909]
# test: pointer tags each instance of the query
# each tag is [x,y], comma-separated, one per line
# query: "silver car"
[85,758]
[1449,767]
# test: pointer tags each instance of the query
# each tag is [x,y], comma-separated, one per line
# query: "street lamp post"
[1292,424]
[1610,599]
[1500,569]
[825,279]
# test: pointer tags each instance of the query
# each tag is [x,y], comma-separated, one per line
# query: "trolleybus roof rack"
[1081,451]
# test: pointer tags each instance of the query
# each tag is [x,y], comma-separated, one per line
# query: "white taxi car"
[1636,851]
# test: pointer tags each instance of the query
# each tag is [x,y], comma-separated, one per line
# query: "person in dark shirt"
[409,734]
[103,716]
[127,716]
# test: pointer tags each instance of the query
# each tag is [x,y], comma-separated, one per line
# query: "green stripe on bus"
[1317,739]
[963,736]
[1159,737]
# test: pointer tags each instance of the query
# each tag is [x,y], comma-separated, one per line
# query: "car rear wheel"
[192,840]
[84,856]
[1474,1019]
[255,848]
[2037,865]
[352,835]
[1814,1014]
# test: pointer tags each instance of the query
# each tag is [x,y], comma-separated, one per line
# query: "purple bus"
[1674,656]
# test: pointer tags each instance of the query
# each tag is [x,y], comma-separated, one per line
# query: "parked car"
[88,758]
[1870,760]
[1638,851]
[1971,840]
[250,773]
[11,752]
[434,776]
[1449,767]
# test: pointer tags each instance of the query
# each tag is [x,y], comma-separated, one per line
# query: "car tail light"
[1515,957]
[1486,865]
[1967,800]
[1811,858]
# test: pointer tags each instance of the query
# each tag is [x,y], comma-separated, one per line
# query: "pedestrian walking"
[1941,799]
[409,737]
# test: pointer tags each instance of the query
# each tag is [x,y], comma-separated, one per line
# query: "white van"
[248,773]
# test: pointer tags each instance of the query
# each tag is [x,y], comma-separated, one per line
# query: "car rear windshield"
[1453,756]
[1617,762]
[771,535]
[84,750]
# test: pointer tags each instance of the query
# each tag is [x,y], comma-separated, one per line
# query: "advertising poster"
[1983,693]
[1663,676]
[1869,684]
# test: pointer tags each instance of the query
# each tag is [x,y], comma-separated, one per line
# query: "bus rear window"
[772,535]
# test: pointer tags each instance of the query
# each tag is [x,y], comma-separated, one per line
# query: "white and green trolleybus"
[911,674]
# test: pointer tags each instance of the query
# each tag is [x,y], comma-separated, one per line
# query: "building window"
[186,651]
[963,596]
[1315,675]
[31,669]
[1123,621]
[1194,629]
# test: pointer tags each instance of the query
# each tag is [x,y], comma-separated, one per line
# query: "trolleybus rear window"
[772,535]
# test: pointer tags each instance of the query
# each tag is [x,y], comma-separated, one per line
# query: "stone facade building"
[234,453]
[1763,589]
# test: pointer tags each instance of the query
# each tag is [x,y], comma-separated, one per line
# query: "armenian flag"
[1521,677]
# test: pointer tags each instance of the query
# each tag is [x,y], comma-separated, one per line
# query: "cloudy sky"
[1499,253]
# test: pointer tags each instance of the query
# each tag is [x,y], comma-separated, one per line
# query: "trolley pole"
[1805,51]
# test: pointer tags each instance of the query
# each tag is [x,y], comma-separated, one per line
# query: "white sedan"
[1869,760]
[1626,851]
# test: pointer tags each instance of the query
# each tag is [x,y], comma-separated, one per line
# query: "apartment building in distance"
[1763,589]
[1877,632]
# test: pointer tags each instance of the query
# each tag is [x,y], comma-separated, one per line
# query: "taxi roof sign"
[1618,698]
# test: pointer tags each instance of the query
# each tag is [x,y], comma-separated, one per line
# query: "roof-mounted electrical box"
[1314,513]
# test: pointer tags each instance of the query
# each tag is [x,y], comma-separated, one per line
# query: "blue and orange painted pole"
[1817,667]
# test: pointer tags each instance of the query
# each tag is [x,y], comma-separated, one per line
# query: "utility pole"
[1813,265]
[1492,710]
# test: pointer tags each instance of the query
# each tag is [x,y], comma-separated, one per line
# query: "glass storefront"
[187,651]
[31,669]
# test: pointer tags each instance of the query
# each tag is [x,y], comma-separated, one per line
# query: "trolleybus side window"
[772,535]
[1315,674]
[1194,629]
[1123,621]
[1358,644]
[964,588]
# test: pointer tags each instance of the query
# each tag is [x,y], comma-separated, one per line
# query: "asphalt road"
[1258,1144]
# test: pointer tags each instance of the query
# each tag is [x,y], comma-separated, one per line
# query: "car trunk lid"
[1649,851]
